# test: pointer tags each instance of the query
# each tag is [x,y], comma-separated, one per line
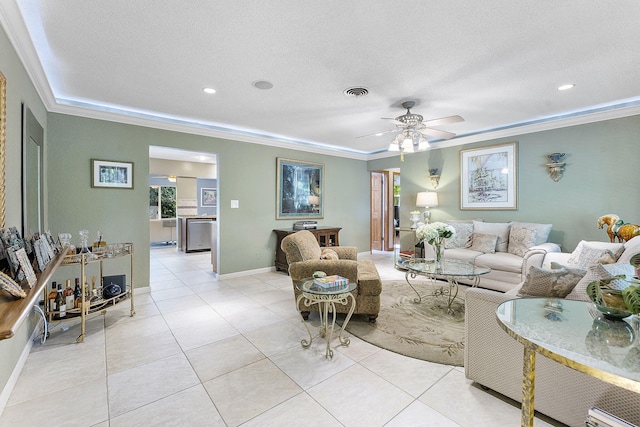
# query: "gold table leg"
[528,382]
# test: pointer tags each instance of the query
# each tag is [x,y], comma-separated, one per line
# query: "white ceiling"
[497,63]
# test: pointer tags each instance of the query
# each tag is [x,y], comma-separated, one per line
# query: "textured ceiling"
[495,63]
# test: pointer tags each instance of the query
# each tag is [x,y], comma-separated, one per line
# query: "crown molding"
[13,23]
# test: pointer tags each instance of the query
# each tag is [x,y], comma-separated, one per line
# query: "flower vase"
[438,248]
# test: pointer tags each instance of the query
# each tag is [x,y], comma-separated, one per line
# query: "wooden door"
[377,210]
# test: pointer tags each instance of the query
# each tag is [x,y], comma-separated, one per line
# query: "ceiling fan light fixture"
[394,147]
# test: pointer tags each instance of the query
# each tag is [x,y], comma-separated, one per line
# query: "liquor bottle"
[77,294]
[61,305]
[68,295]
[52,296]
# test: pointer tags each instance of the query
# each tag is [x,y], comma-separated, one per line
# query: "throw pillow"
[575,255]
[485,243]
[521,239]
[542,230]
[601,272]
[500,229]
[329,254]
[557,283]
[462,237]
[586,254]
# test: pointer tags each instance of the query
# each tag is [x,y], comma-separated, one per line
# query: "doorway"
[185,184]
[385,205]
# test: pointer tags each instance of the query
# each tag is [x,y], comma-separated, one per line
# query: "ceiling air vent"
[356,91]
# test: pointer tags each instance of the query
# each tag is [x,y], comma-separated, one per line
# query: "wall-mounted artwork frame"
[208,197]
[300,189]
[111,174]
[488,178]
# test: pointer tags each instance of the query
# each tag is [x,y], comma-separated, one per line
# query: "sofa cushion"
[462,254]
[631,248]
[600,272]
[587,253]
[500,229]
[368,278]
[542,230]
[501,261]
[485,243]
[555,283]
[462,236]
[521,239]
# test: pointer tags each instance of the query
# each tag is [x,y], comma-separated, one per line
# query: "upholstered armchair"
[305,256]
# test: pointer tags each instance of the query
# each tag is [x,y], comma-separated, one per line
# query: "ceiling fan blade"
[378,133]
[438,133]
[443,121]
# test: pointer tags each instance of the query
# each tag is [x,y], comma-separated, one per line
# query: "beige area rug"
[420,330]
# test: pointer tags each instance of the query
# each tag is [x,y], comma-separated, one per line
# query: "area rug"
[420,330]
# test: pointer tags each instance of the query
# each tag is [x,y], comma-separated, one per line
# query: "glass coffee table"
[326,301]
[450,270]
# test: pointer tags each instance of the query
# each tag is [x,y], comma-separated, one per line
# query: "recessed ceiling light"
[262,84]
[209,90]
[567,86]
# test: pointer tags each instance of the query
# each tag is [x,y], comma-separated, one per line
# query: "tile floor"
[206,352]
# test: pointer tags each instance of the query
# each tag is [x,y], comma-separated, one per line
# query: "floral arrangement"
[435,233]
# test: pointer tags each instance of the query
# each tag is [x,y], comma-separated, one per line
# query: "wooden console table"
[326,236]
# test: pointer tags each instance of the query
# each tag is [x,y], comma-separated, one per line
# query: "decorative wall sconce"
[434,177]
[556,166]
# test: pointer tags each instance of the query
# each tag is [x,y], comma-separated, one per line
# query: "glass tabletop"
[307,286]
[450,267]
[575,331]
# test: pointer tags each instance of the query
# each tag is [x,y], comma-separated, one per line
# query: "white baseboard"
[246,273]
[13,379]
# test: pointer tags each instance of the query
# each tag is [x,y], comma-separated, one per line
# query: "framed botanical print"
[488,178]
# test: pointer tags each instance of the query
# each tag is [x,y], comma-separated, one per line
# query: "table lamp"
[426,200]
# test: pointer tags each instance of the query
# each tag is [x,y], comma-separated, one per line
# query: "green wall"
[247,172]
[601,177]
[19,90]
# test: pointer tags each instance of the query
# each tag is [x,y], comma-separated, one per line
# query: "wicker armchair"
[305,256]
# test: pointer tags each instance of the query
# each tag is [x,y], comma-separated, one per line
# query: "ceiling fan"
[413,130]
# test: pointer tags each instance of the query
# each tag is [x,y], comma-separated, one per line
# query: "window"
[162,202]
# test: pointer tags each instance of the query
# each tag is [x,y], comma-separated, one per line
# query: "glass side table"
[574,334]
[326,301]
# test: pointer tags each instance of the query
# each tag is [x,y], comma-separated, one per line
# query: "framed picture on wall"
[300,187]
[111,174]
[488,178]
[208,197]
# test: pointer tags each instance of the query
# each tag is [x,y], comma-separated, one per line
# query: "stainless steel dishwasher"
[198,234]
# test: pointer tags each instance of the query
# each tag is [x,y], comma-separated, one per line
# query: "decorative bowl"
[608,301]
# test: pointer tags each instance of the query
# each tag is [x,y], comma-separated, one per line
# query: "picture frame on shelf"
[208,197]
[300,189]
[111,174]
[488,178]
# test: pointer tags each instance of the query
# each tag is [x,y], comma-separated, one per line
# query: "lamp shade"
[427,199]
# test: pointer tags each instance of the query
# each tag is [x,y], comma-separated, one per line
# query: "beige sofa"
[518,246]
[494,359]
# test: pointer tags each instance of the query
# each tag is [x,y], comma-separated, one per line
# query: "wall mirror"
[32,173]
